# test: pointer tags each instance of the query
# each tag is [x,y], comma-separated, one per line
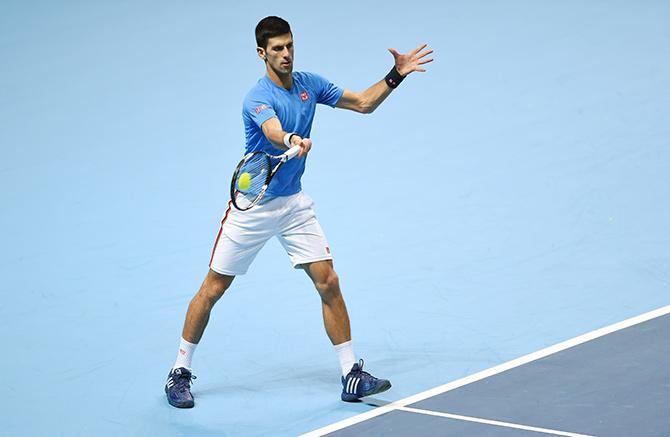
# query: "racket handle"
[292,152]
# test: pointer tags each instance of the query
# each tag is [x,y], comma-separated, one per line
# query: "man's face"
[279,53]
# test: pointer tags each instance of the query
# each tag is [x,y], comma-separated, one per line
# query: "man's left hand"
[411,61]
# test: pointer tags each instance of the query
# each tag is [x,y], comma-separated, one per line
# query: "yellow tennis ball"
[244,182]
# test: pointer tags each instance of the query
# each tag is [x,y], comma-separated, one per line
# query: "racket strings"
[254,173]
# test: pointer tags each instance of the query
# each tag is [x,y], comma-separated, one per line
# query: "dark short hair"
[269,27]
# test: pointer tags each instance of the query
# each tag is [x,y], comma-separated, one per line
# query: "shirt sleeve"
[326,92]
[258,108]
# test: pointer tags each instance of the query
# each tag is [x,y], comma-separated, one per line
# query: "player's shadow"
[374,402]
[281,381]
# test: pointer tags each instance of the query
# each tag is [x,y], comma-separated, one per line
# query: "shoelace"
[360,369]
[183,380]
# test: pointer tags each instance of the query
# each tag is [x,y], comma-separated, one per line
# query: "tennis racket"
[253,175]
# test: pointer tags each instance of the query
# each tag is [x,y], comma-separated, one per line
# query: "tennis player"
[278,113]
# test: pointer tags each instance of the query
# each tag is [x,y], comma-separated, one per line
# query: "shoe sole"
[347,397]
[185,405]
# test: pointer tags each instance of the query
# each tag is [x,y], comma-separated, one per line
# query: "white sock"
[185,354]
[345,352]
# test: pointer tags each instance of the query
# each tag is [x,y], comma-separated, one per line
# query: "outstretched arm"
[368,100]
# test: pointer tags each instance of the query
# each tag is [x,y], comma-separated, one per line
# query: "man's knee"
[328,286]
[214,285]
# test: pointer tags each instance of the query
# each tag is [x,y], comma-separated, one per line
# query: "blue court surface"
[602,384]
[499,224]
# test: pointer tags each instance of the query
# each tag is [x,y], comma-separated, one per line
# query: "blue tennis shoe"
[178,388]
[358,384]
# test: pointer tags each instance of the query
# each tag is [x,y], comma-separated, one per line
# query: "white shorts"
[243,233]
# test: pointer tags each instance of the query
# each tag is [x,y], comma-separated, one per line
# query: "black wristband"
[394,78]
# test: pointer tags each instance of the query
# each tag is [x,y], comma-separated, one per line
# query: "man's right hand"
[304,143]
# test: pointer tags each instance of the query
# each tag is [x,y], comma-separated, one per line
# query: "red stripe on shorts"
[218,237]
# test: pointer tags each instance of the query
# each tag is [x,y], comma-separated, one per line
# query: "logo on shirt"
[304,96]
[260,108]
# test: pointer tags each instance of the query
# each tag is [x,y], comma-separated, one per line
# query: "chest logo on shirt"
[304,96]
[260,108]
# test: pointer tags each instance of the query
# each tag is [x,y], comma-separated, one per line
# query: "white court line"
[490,372]
[492,422]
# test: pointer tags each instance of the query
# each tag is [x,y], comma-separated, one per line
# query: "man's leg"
[177,387]
[197,316]
[201,305]
[335,316]
[355,383]
[307,247]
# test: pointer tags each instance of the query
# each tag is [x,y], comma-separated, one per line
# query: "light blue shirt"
[295,110]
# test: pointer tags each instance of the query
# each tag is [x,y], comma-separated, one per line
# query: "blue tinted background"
[514,196]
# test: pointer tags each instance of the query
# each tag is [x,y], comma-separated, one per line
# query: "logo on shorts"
[260,108]
[304,96]
[328,250]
